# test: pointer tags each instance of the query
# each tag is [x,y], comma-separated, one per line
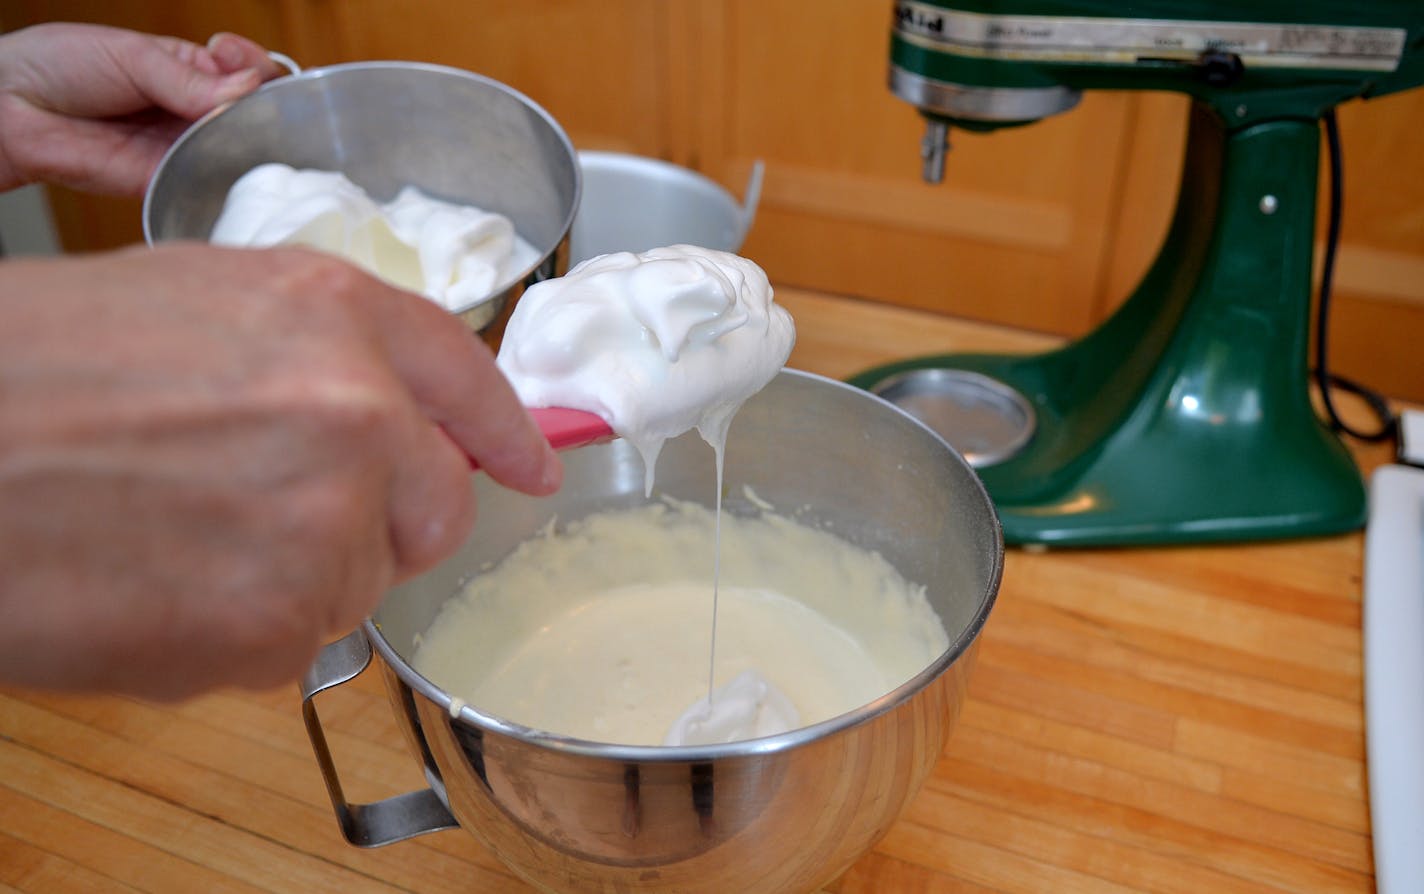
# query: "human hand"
[95,108]
[212,460]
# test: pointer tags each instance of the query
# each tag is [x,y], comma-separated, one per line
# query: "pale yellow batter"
[602,631]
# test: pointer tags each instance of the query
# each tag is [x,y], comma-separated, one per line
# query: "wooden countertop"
[1170,720]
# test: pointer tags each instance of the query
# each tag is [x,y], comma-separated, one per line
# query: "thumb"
[180,87]
[233,52]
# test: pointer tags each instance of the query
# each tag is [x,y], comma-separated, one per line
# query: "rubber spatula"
[566,429]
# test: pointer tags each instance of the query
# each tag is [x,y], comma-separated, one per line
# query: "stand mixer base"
[1166,474]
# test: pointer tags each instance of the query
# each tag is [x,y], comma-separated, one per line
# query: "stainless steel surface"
[980,103]
[1127,39]
[285,61]
[934,146]
[783,814]
[634,203]
[456,135]
[983,418]
[382,822]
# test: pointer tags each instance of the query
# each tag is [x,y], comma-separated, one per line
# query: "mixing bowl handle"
[285,61]
[750,199]
[383,822]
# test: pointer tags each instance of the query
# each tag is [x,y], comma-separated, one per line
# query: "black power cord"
[1325,380]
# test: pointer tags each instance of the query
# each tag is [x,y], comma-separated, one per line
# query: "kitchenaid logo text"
[918,20]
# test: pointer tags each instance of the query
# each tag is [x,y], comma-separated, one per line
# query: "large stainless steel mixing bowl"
[455,135]
[780,814]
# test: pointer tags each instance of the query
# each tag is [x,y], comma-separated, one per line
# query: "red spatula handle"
[566,429]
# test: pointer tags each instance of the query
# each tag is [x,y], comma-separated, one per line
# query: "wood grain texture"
[1165,720]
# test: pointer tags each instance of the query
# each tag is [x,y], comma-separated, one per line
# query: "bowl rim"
[337,70]
[602,161]
[466,714]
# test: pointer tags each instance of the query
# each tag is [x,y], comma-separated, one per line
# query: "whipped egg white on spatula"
[657,343]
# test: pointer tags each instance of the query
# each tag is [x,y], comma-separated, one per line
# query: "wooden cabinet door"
[1377,325]
[1017,232]
[598,67]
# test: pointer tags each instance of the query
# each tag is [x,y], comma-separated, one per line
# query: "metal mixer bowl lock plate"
[984,419]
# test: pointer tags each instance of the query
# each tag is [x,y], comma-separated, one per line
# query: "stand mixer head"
[1186,416]
[984,65]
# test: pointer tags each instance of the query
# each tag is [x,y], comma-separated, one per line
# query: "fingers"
[233,52]
[452,375]
[431,506]
[187,82]
[482,414]
[189,53]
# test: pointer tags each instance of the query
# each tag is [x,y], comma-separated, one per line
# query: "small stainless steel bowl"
[634,203]
[455,135]
[779,815]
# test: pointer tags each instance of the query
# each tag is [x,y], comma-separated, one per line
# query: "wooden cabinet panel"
[1377,329]
[599,68]
[1014,235]
[265,21]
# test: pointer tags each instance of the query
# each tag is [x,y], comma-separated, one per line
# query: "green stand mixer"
[1186,416]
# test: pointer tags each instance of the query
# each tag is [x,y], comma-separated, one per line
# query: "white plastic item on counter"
[1394,675]
[634,203]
